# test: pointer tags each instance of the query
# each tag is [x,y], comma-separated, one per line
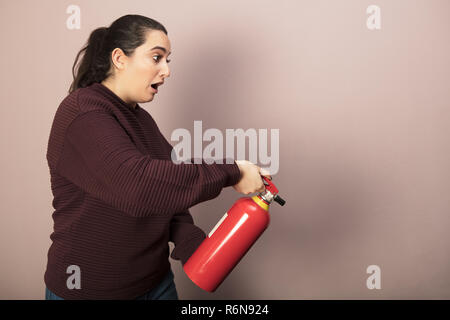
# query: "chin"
[147,97]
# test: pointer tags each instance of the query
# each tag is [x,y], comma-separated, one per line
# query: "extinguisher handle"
[269,185]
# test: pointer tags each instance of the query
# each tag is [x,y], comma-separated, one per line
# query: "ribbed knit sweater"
[119,199]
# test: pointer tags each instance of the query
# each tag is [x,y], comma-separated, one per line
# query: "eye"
[159,56]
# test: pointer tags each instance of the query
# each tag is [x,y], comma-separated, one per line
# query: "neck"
[115,88]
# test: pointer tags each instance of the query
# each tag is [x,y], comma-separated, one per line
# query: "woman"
[118,197]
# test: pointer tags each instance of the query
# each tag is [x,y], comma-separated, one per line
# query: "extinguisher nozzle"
[280,200]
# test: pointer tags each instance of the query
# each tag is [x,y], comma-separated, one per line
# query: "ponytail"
[92,67]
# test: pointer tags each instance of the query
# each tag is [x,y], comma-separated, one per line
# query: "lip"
[154,90]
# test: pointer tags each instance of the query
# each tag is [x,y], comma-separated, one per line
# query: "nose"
[166,71]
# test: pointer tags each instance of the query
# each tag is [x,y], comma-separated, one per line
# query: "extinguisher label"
[217,225]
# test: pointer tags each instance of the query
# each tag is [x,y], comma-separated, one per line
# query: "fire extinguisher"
[231,238]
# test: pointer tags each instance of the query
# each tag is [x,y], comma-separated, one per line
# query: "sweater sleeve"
[185,235]
[100,157]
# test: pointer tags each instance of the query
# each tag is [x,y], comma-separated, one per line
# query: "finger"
[265,173]
[261,190]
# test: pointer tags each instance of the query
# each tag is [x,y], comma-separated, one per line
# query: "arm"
[185,235]
[101,159]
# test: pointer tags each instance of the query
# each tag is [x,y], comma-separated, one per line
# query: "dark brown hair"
[127,33]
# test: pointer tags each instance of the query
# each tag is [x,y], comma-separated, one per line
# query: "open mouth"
[155,86]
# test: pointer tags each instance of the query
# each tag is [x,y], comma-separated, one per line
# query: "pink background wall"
[364,135]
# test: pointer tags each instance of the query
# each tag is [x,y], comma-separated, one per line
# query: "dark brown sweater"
[119,198]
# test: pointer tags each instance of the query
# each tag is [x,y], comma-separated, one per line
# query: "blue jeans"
[166,290]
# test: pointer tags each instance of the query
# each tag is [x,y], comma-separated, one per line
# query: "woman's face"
[148,65]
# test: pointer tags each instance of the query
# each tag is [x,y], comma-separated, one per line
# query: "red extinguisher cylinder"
[231,238]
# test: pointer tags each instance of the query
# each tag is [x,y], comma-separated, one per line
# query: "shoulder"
[89,99]
[82,105]
[83,100]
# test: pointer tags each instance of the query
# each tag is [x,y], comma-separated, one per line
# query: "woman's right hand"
[251,180]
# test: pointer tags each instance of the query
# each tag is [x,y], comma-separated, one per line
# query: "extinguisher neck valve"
[267,196]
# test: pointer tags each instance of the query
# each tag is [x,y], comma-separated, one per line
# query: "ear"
[119,59]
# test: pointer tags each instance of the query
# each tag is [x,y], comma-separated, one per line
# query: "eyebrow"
[160,48]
